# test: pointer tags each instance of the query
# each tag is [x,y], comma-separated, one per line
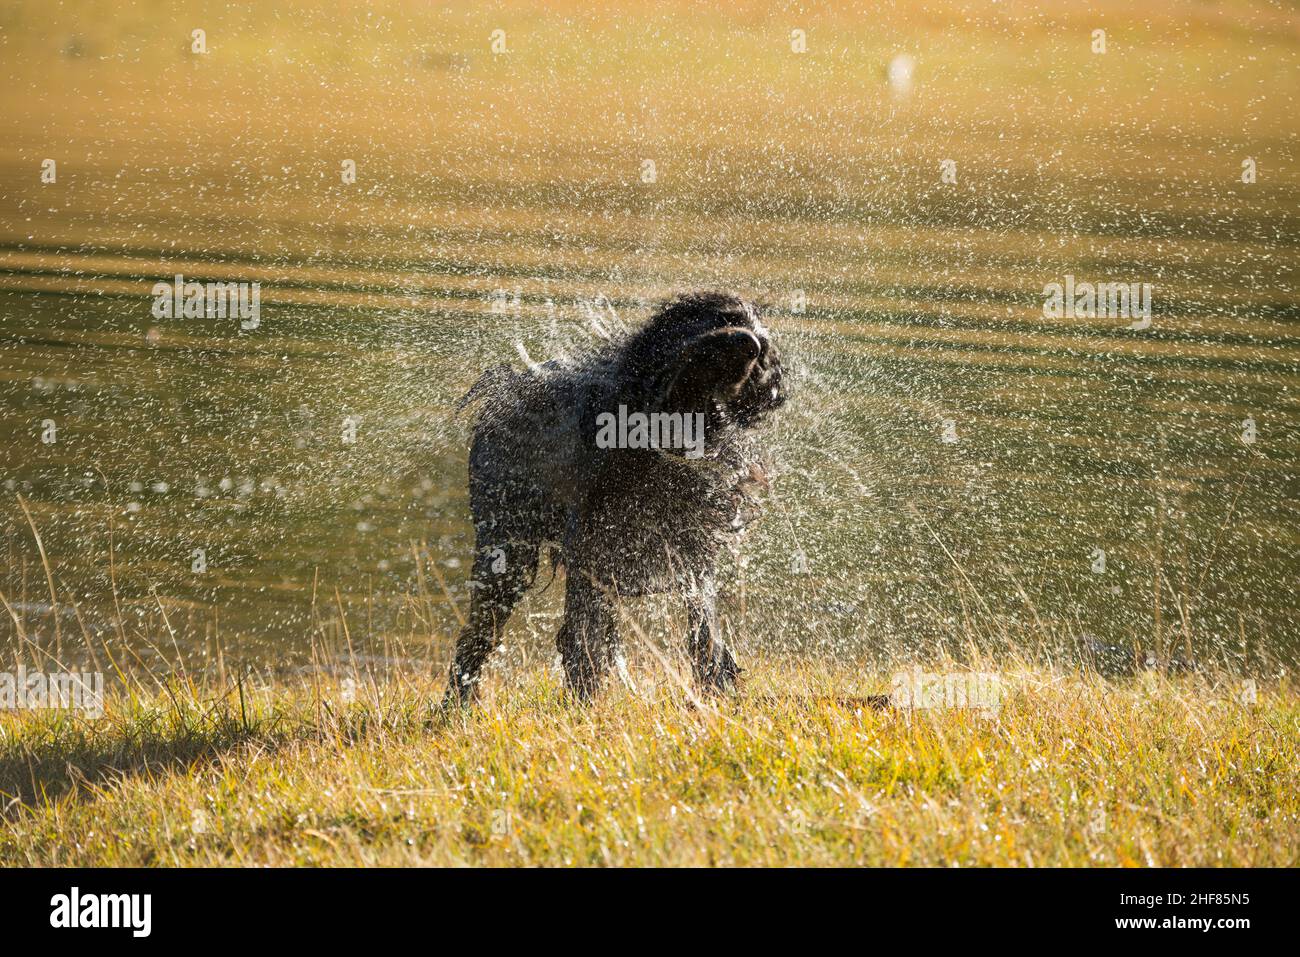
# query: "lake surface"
[953,464]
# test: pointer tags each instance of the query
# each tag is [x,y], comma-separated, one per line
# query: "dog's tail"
[488,383]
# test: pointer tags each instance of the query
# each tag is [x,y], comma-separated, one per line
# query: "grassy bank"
[1072,770]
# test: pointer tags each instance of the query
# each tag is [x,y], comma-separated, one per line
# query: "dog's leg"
[502,573]
[588,639]
[712,661]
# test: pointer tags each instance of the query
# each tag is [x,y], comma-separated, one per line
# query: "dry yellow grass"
[1073,770]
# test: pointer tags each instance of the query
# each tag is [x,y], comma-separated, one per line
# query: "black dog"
[561,457]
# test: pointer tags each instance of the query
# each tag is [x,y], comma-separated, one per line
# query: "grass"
[1073,770]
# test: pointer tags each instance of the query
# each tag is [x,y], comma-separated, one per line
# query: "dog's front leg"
[588,639]
[712,661]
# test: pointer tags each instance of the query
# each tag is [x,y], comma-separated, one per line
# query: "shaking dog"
[633,465]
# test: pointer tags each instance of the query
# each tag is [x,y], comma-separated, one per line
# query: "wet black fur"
[623,522]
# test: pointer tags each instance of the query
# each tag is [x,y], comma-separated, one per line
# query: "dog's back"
[529,459]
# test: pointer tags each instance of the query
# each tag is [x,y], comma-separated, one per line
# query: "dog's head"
[707,352]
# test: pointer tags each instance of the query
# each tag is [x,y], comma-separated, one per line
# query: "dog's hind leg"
[588,639]
[712,661]
[502,573]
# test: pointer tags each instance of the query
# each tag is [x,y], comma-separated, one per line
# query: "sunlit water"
[957,473]
[946,476]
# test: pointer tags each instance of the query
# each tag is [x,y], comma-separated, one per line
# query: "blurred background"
[959,473]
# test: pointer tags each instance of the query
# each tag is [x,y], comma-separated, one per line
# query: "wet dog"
[633,464]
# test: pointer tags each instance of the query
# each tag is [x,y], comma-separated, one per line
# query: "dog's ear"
[715,365]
